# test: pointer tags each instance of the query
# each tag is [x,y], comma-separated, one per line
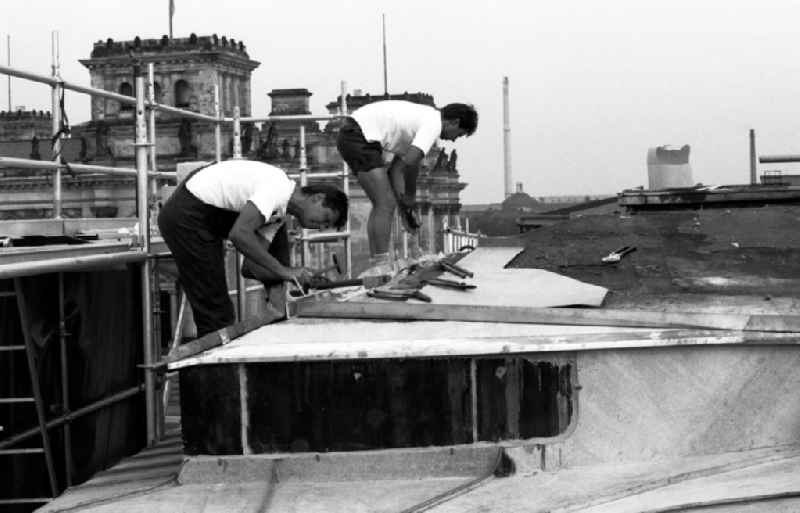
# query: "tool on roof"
[398,294]
[455,269]
[299,287]
[367,281]
[319,283]
[616,256]
[450,284]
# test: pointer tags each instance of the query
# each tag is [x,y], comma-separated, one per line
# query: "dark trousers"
[195,233]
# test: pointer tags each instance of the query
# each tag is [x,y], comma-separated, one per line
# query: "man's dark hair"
[466,115]
[334,199]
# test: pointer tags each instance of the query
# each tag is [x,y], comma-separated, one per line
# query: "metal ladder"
[36,400]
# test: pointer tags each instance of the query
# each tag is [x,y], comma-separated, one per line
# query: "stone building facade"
[186,70]
[25,125]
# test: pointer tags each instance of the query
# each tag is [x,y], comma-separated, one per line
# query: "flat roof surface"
[732,252]
[318,339]
[333,339]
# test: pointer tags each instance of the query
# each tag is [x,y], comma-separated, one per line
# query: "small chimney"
[290,101]
[358,92]
[519,186]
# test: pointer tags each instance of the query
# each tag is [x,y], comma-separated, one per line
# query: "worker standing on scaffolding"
[404,132]
[246,202]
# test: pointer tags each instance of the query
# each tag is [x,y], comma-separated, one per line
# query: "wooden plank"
[561,316]
[220,337]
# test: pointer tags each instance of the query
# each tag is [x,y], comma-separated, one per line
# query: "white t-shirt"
[232,183]
[399,124]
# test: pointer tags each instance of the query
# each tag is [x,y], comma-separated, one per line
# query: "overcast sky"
[593,83]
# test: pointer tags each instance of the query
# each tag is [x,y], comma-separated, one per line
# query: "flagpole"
[8,50]
[385,80]
[171,12]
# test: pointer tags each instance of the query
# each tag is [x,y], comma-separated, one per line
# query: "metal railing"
[455,238]
[146,174]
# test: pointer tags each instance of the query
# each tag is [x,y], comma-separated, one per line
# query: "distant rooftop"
[519,200]
[734,251]
[111,48]
[24,114]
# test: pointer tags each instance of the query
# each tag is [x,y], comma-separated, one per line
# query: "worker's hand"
[301,274]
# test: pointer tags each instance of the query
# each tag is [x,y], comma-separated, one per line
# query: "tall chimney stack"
[506,141]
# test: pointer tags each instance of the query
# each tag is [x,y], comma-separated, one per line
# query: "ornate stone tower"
[186,70]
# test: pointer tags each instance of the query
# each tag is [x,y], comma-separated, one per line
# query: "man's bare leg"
[379,190]
[404,185]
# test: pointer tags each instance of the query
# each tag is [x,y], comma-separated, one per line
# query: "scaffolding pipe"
[151,122]
[59,421]
[753,178]
[241,287]
[69,264]
[294,117]
[303,183]
[303,156]
[79,168]
[56,125]
[102,93]
[42,79]
[155,316]
[217,127]
[329,174]
[326,236]
[177,336]
[62,340]
[57,160]
[144,244]
[153,217]
[237,133]
[348,257]
[185,113]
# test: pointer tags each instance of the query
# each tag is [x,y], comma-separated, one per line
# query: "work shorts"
[361,155]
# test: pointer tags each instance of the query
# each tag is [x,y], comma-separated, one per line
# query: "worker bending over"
[246,202]
[404,132]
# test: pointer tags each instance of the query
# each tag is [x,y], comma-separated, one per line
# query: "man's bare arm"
[262,265]
[403,173]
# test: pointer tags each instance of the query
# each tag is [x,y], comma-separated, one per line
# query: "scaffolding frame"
[141,252]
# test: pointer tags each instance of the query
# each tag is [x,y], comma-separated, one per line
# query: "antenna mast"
[385,79]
